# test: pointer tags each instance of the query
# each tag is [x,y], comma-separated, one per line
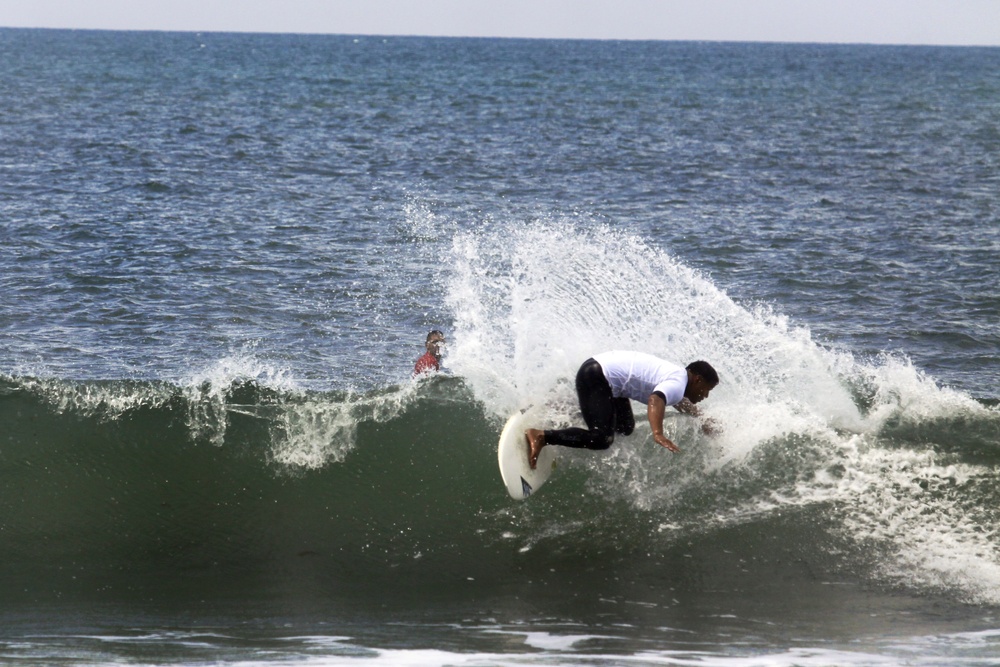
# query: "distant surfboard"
[512,454]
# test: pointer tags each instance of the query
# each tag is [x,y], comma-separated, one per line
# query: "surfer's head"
[702,379]
[435,339]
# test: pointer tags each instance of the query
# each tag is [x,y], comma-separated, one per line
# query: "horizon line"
[374,35]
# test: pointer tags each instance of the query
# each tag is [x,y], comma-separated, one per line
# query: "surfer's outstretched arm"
[656,406]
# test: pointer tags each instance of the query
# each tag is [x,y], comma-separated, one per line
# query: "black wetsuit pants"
[605,415]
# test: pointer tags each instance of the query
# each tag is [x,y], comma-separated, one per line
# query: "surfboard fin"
[525,488]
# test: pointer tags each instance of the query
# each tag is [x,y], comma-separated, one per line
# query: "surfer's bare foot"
[535,440]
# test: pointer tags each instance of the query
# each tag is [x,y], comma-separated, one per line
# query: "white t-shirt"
[637,375]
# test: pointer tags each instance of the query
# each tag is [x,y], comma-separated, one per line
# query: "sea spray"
[802,427]
[531,302]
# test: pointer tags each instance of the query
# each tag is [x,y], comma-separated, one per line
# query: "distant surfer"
[606,383]
[431,361]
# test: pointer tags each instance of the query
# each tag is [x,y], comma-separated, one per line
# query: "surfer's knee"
[624,419]
[603,441]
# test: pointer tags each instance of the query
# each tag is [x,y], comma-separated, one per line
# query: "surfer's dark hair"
[434,332]
[705,370]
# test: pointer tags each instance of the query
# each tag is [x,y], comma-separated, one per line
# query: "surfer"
[431,361]
[606,383]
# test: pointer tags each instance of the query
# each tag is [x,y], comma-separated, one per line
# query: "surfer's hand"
[711,427]
[664,441]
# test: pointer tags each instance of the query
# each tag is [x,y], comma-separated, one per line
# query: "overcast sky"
[955,22]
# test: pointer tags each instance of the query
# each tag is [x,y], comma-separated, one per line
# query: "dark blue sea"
[220,255]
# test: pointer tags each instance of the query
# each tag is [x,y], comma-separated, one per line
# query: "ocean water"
[220,254]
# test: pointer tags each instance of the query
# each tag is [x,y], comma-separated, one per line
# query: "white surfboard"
[512,454]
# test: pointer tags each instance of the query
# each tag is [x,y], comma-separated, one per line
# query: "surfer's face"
[434,346]
[697,389]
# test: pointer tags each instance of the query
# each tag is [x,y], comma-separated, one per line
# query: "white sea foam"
[207,391]
[107,400]
[308,430]
[521,647]
[319,431]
